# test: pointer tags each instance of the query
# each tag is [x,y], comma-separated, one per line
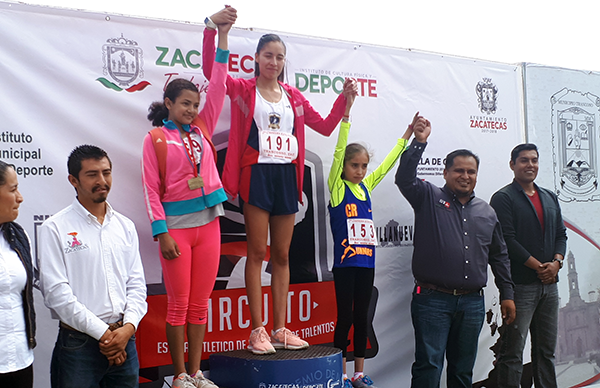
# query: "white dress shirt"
[15,353]
[91,274]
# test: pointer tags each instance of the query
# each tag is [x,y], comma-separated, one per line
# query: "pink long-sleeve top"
[178,199]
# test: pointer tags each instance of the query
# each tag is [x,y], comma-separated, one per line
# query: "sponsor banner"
[563,120]
[78,77]
[310,315]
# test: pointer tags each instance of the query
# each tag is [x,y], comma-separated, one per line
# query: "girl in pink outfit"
[265,166]
[184,203]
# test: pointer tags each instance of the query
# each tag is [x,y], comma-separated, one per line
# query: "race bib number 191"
[361,231]
[280,145]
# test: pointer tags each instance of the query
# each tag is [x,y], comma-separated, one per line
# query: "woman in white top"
[17,332]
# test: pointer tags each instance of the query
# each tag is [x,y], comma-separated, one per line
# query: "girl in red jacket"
[265,166]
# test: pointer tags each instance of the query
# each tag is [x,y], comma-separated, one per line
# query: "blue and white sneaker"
[347,384]
[363,382]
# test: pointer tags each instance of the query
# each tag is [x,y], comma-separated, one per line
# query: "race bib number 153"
[361,231]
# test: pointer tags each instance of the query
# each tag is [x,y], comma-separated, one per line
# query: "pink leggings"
[190,278]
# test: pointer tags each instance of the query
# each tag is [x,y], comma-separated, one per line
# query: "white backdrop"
[60,92]
[563,119]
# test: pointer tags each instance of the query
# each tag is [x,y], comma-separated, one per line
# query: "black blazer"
[523,232]
[18,241]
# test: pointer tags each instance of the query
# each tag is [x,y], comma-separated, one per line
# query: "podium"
[315,367]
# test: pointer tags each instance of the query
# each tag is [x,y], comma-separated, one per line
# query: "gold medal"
[196,183]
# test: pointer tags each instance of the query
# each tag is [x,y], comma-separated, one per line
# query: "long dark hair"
[157,111]
[268,38]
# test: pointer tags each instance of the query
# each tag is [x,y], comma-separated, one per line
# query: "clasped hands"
[547,272]
[113,343]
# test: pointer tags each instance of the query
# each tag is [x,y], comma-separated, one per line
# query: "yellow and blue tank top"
[346,254]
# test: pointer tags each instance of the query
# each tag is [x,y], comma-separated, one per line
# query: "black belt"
[111,326]
[446,290]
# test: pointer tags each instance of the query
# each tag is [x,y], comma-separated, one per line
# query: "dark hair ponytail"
[268,38]
[157,112]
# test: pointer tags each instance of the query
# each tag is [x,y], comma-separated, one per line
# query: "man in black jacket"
[457,236]
[536,237]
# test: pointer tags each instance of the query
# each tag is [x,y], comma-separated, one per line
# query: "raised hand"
[422,129]
[415,119]
[225,18]
[409,130]
[350,91]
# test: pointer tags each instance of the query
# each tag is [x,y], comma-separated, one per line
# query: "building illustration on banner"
[575,117]
[578,322]
[578,345]
[392,234]
[123,62]
[578,342]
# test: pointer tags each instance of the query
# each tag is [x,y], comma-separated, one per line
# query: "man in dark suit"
[536,238]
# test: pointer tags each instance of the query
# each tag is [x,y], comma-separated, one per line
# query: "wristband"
[210,24]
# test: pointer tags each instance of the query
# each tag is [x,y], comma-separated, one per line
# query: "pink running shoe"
[259,342]
[183,381]
[203,382]
[284,339]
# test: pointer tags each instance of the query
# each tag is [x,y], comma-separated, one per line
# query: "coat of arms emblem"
[574,121]
[487,94]
[123,63]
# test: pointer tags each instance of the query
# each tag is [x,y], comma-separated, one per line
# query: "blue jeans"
[537,311]
[77,362]
[450,324]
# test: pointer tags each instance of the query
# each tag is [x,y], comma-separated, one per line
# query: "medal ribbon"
[190,153]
